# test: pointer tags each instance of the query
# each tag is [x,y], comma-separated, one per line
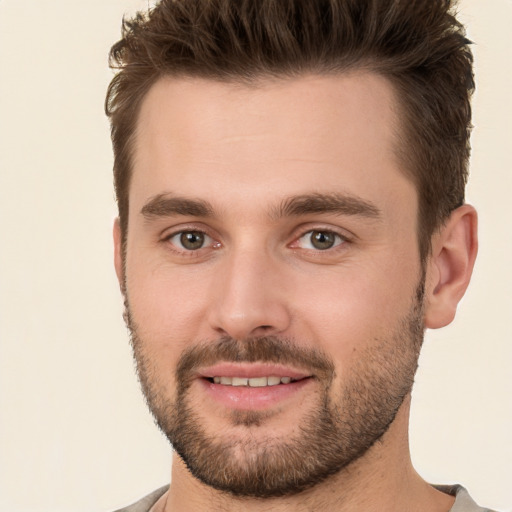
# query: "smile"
[252,386]
[254,382]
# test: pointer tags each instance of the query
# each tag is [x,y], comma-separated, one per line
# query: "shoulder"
[463,501]
[145,504]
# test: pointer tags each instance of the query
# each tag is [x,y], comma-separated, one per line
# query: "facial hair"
[341,427]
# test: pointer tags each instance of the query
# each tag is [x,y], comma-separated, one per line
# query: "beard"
[344,423]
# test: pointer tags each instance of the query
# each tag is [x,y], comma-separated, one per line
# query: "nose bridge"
[248,300]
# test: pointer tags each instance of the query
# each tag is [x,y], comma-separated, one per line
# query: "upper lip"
[251,371]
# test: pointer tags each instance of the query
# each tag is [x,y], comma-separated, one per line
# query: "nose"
[249,299]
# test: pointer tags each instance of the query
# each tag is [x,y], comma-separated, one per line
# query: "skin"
[246,150]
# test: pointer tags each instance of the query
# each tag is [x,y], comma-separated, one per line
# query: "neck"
[382,480]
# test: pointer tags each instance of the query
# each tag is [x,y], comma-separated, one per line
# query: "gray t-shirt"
[463,501]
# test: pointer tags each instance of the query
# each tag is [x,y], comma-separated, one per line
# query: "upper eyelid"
[169,232]
[301,231]
[326,230]
[336,233]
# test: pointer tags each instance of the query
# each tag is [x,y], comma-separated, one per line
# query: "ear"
[118,253]
[450,266]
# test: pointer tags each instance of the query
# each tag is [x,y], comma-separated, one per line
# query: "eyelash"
[340,241]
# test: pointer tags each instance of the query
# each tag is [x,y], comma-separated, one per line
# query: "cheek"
[164,312]
[351,308]
[164,327]
[164,305]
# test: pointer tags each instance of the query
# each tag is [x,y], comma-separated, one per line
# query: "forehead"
[289,136]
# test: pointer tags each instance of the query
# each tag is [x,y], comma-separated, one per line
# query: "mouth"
[252,386]
[254,382]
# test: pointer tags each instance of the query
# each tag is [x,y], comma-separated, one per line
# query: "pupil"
[192,240]
[322,239]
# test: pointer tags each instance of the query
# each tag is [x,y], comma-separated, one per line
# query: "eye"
[190,240]
[320,240]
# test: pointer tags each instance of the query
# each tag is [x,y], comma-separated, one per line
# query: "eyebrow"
[165,205]
[334,203]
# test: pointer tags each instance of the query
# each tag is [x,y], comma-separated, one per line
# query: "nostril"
[245,319]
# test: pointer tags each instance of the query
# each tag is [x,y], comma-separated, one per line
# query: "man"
[290,179]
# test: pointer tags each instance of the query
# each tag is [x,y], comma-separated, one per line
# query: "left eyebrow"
[165,205]
[340,204]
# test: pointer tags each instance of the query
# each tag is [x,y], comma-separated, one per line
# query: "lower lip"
[255,399]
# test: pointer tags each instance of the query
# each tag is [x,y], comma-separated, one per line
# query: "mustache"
[266,349]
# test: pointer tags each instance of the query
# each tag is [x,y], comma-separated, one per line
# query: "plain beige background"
[74,431]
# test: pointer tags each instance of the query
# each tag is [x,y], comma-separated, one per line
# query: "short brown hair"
[417,44]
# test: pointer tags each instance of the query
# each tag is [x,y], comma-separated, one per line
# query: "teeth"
[259,382]
[256,382]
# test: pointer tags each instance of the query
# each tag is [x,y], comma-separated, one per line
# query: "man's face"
[273,279]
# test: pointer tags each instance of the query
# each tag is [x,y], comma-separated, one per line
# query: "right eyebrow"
[165,205]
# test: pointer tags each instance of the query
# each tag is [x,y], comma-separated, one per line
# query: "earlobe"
[118,253]
[450,266]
